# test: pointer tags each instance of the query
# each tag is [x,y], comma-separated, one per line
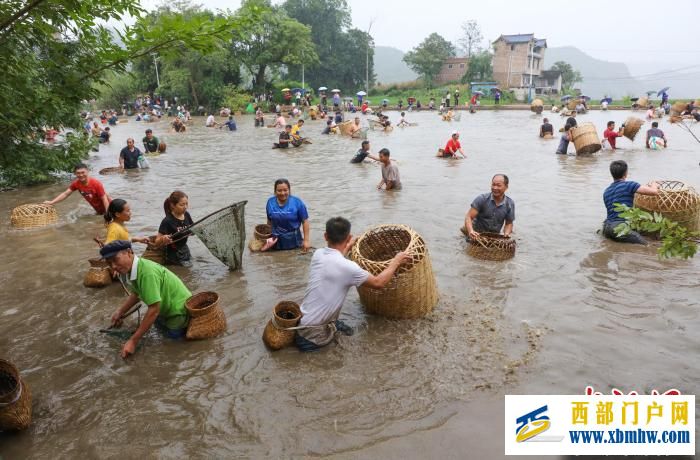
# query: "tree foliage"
[342,51]
[426,59]
[480,67]
[569,76]
[676,241]
[471,38]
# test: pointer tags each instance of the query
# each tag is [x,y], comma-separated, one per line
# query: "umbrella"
[156,106]
[480,93]
[335,91]
[322,88]
[285,89]
[663,91]
[495,90]
[347,98]
[650,93]
[361,93]
[586,98]
[607,100]
[565,98]
[634,99]
[385,100]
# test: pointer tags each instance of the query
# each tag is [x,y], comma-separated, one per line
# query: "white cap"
[454,132]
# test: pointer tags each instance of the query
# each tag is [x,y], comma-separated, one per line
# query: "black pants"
[632,237]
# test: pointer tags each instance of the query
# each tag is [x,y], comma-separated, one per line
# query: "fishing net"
[224,234]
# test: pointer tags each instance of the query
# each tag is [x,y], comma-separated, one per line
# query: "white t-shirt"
[330,278]
[210,120]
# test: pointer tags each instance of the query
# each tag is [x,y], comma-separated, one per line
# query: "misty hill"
[389,67]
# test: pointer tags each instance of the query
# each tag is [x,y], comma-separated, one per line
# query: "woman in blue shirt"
[288,217]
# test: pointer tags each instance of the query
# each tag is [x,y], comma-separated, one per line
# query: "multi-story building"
[517,60]
[453,69]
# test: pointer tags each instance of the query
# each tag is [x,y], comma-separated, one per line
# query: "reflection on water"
[570,310]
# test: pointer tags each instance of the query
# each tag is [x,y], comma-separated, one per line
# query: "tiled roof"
[523,38]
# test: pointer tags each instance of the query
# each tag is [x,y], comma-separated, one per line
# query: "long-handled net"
[223,233]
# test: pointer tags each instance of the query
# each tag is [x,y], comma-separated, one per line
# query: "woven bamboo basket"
[632,126]
[162,147]
[207,319]
[345,127]
[678,107]
[263,232]
[98,275]
[676,201]
[571,105]
[412,291]
[643,102]
[154,253]
[537,106]
[285,314]
[491,246]
[585,138]
[675,119]
[15,399]
[111,170]
[28,216]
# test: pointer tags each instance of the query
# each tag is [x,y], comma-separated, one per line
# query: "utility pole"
[367,61]
[532,58]
[155,62]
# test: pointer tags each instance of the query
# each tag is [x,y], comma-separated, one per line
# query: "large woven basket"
[632,126]
[571,105]
[15,399]
[678,107]
[286,314]
[585,138]
[207,319]
[491,246]
[345,126]
[99,274]
[28,216]
[412,292]
[642,102]
[111,170]
[537,106]
[676,201]
[162,147]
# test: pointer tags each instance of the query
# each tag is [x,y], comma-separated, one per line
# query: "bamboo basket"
[111,170]
[678,107]
[15,399]
[286,314]
[412,291]
[99,275]
[345,126]
[632,126]
[491,246]
[585,138]
[28,216]
[537,106]
[571,105]
[161,147]
[676,201]
[263,232]
[643,102]
[154,253]
[207,319]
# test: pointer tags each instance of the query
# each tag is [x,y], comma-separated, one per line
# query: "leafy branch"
[676,240]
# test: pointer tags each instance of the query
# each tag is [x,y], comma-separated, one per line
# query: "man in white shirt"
[210,121]
[330,278]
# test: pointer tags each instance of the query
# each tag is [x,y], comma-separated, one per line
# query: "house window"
[461,66]
[449,66]
[512,47]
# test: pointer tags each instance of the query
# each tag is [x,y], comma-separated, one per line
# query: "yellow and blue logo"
[531,424]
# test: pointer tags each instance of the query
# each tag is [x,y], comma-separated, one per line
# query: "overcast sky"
[634,32]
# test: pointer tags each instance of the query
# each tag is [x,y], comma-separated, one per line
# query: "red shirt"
[92,192]
[473,100]
[610,135]
[452,146]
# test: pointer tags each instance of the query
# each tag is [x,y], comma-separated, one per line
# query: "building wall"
[519,64]
[452,70]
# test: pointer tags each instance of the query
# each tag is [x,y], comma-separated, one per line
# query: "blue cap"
[113,248]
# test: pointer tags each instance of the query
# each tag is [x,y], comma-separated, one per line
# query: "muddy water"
[570,310]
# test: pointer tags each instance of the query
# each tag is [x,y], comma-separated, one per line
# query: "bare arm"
[60,197]
[650,189]
[508,229]
[381,280]
[471,215]
[128,303]
[307,236]
[148,319]
[121,162]
[105,201]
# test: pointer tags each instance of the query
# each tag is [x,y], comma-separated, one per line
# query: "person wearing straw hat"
[330,278]
[156,286]
[622,191]
[90,188]
[491,212]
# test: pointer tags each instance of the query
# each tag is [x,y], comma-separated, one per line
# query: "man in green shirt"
[159,288]
[150,142]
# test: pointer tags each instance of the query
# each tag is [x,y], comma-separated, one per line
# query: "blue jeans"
[175,334]
[305,345]
[632,237]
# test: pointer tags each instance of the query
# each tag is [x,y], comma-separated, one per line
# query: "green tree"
[55,54]
[480,68]
[274,41]
[569,76]
[471,38]
[426,59]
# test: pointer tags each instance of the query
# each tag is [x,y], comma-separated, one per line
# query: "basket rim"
[190,308]
[384,227]
[11,369]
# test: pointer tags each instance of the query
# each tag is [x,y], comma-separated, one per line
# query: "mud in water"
[570,310]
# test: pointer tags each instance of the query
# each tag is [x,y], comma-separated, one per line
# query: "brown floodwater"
[570,310]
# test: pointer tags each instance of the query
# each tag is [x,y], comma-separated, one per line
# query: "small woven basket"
[15,399]
[676,201]
[491,246]
[285,314]
[30,216]
[111,170]
[585,138]
[412,291]
[632,126]
[162,147]
[207,319]
[99,275]
[153,253]
[263,232]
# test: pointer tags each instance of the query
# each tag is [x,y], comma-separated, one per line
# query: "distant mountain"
[389,67]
